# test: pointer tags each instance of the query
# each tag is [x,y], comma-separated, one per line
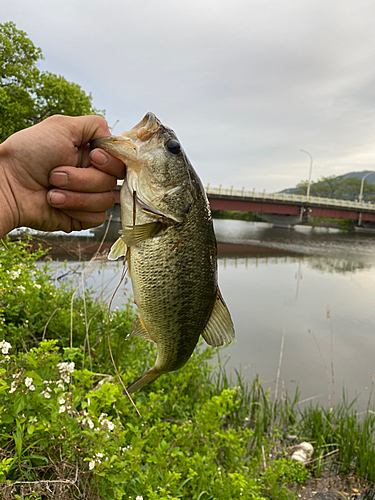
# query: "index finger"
[107,163]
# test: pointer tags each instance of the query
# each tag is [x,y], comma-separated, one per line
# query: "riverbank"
[343,224]
[66,427]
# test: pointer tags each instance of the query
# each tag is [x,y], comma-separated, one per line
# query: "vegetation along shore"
[67,431]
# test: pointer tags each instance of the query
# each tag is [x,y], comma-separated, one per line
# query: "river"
[306,307]
[302,301]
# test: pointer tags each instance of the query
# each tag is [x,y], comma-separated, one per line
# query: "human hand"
[41,186]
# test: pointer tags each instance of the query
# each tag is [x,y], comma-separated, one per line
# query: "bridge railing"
[296,198]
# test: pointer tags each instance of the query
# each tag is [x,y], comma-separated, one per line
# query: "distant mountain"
[359,175]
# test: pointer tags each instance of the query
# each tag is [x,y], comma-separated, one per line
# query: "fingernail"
[57,198]
[58,179]
[98,156]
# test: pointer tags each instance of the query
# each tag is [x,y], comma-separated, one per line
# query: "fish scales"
[179,297]
[169,243]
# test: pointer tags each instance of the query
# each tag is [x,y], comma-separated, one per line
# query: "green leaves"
[28,95]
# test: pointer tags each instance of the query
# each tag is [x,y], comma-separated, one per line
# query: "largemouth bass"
[168,240]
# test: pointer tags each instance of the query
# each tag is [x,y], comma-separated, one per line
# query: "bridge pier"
[369,226]
[282,220]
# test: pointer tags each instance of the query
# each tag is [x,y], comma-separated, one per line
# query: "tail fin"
[144,379]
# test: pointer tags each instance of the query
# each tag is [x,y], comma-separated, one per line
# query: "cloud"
[245,84]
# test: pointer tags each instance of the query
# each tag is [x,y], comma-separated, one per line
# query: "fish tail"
[144,379]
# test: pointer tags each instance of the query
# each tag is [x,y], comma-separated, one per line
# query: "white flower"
[62,409]
[139,497]
[47,390]
[91,464]
[62,400]
[5,346]
[99,455]
[21,287]
[105,423]
[29,382]
[14,274]
[89,422]
[37,286]
[66,369]
[13,387]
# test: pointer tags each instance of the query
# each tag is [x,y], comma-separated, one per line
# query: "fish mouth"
[145,129]
[126,146]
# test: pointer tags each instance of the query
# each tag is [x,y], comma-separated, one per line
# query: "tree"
[28,95]
[343,188]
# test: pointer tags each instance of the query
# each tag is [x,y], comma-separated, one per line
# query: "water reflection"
[323,264]
[302,240]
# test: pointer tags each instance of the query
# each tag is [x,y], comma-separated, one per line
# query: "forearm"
[8,210]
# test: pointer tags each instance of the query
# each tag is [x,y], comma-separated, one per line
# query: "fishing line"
[84,272]
[109,341]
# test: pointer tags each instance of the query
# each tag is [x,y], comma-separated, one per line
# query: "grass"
[343,439]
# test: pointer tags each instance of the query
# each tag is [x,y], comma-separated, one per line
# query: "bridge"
[289,209]
[286,209]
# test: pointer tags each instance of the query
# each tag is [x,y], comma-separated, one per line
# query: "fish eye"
[173,146]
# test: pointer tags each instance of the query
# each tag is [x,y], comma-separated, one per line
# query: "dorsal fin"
[219,329]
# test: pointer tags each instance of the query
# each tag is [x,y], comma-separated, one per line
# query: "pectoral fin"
[132,235]
[139,330]
[219,329]
[118,249]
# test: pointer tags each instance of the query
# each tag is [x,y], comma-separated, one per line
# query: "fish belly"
[174,279]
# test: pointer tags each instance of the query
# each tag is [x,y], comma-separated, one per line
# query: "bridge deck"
[285,204]
[289,204]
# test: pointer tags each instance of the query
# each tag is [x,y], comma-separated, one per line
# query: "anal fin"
[139,330]
[219,329]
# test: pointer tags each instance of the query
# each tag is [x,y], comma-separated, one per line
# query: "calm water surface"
[315,290]
[311,291]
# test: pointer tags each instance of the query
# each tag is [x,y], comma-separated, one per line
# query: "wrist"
[9,218]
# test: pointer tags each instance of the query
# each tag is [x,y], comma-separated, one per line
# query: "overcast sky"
[245,84]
